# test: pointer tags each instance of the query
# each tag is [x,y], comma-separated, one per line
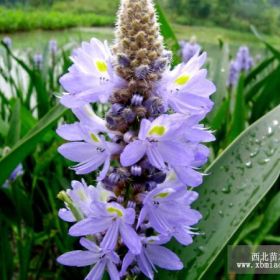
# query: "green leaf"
[168,34]
[219,76]
[274,51]
[239,113]
[37,81]
[28,143]
[271,217]
[259,69]
[220,117]
[15,125]
[267,96]
[238,180]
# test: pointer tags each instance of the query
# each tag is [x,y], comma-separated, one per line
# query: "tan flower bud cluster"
[138,41]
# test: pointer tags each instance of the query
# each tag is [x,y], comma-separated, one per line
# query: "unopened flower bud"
[151,185]
[123,60]
[128,136]
[136,170]
[117,108]
[142,72]
[128,115]
[114,178]
[137,100]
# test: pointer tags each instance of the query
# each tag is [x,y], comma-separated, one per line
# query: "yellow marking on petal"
[82,195]
[157,130]
[94,138]
[113,210]
[182,80]
[101,66]
[162,195]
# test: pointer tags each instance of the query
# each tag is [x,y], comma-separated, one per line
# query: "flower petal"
[145,265]
[70,132]
[133,152]
[155,157]
[90,245]
[175,153]
[78,258]
[90,226]
[110,239]
[130,239]
[66,215]
[97,272]
[113,272]
[127,261]
[164,257]
[188,176]
[77,151]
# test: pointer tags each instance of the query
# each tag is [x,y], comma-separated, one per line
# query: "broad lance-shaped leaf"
[28,143]
[238,180]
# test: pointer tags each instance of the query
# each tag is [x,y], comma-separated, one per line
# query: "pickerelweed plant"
[148,148]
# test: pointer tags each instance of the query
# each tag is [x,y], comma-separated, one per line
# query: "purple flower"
[234,72]
[166,144]
[87,146]
[152,254]
[91,78]
[7,41]
[244,59]
[17,172]
[82,196]
[115,220]
[189,49]
[159,141]
[156,210]
[53,46]
[101,259]
[38,60]
[242,62]
[185,89]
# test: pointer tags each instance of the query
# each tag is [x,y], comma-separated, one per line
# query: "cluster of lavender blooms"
[243,62]
[189,49]
[53,47]
[38,60]
[17,172]
[147,150]
[7,41]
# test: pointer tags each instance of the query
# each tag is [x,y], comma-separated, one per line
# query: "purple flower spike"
[234,71]
[53,46]
[38,60]
[7,41]
[243,62]
[244,59]
[149,148]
